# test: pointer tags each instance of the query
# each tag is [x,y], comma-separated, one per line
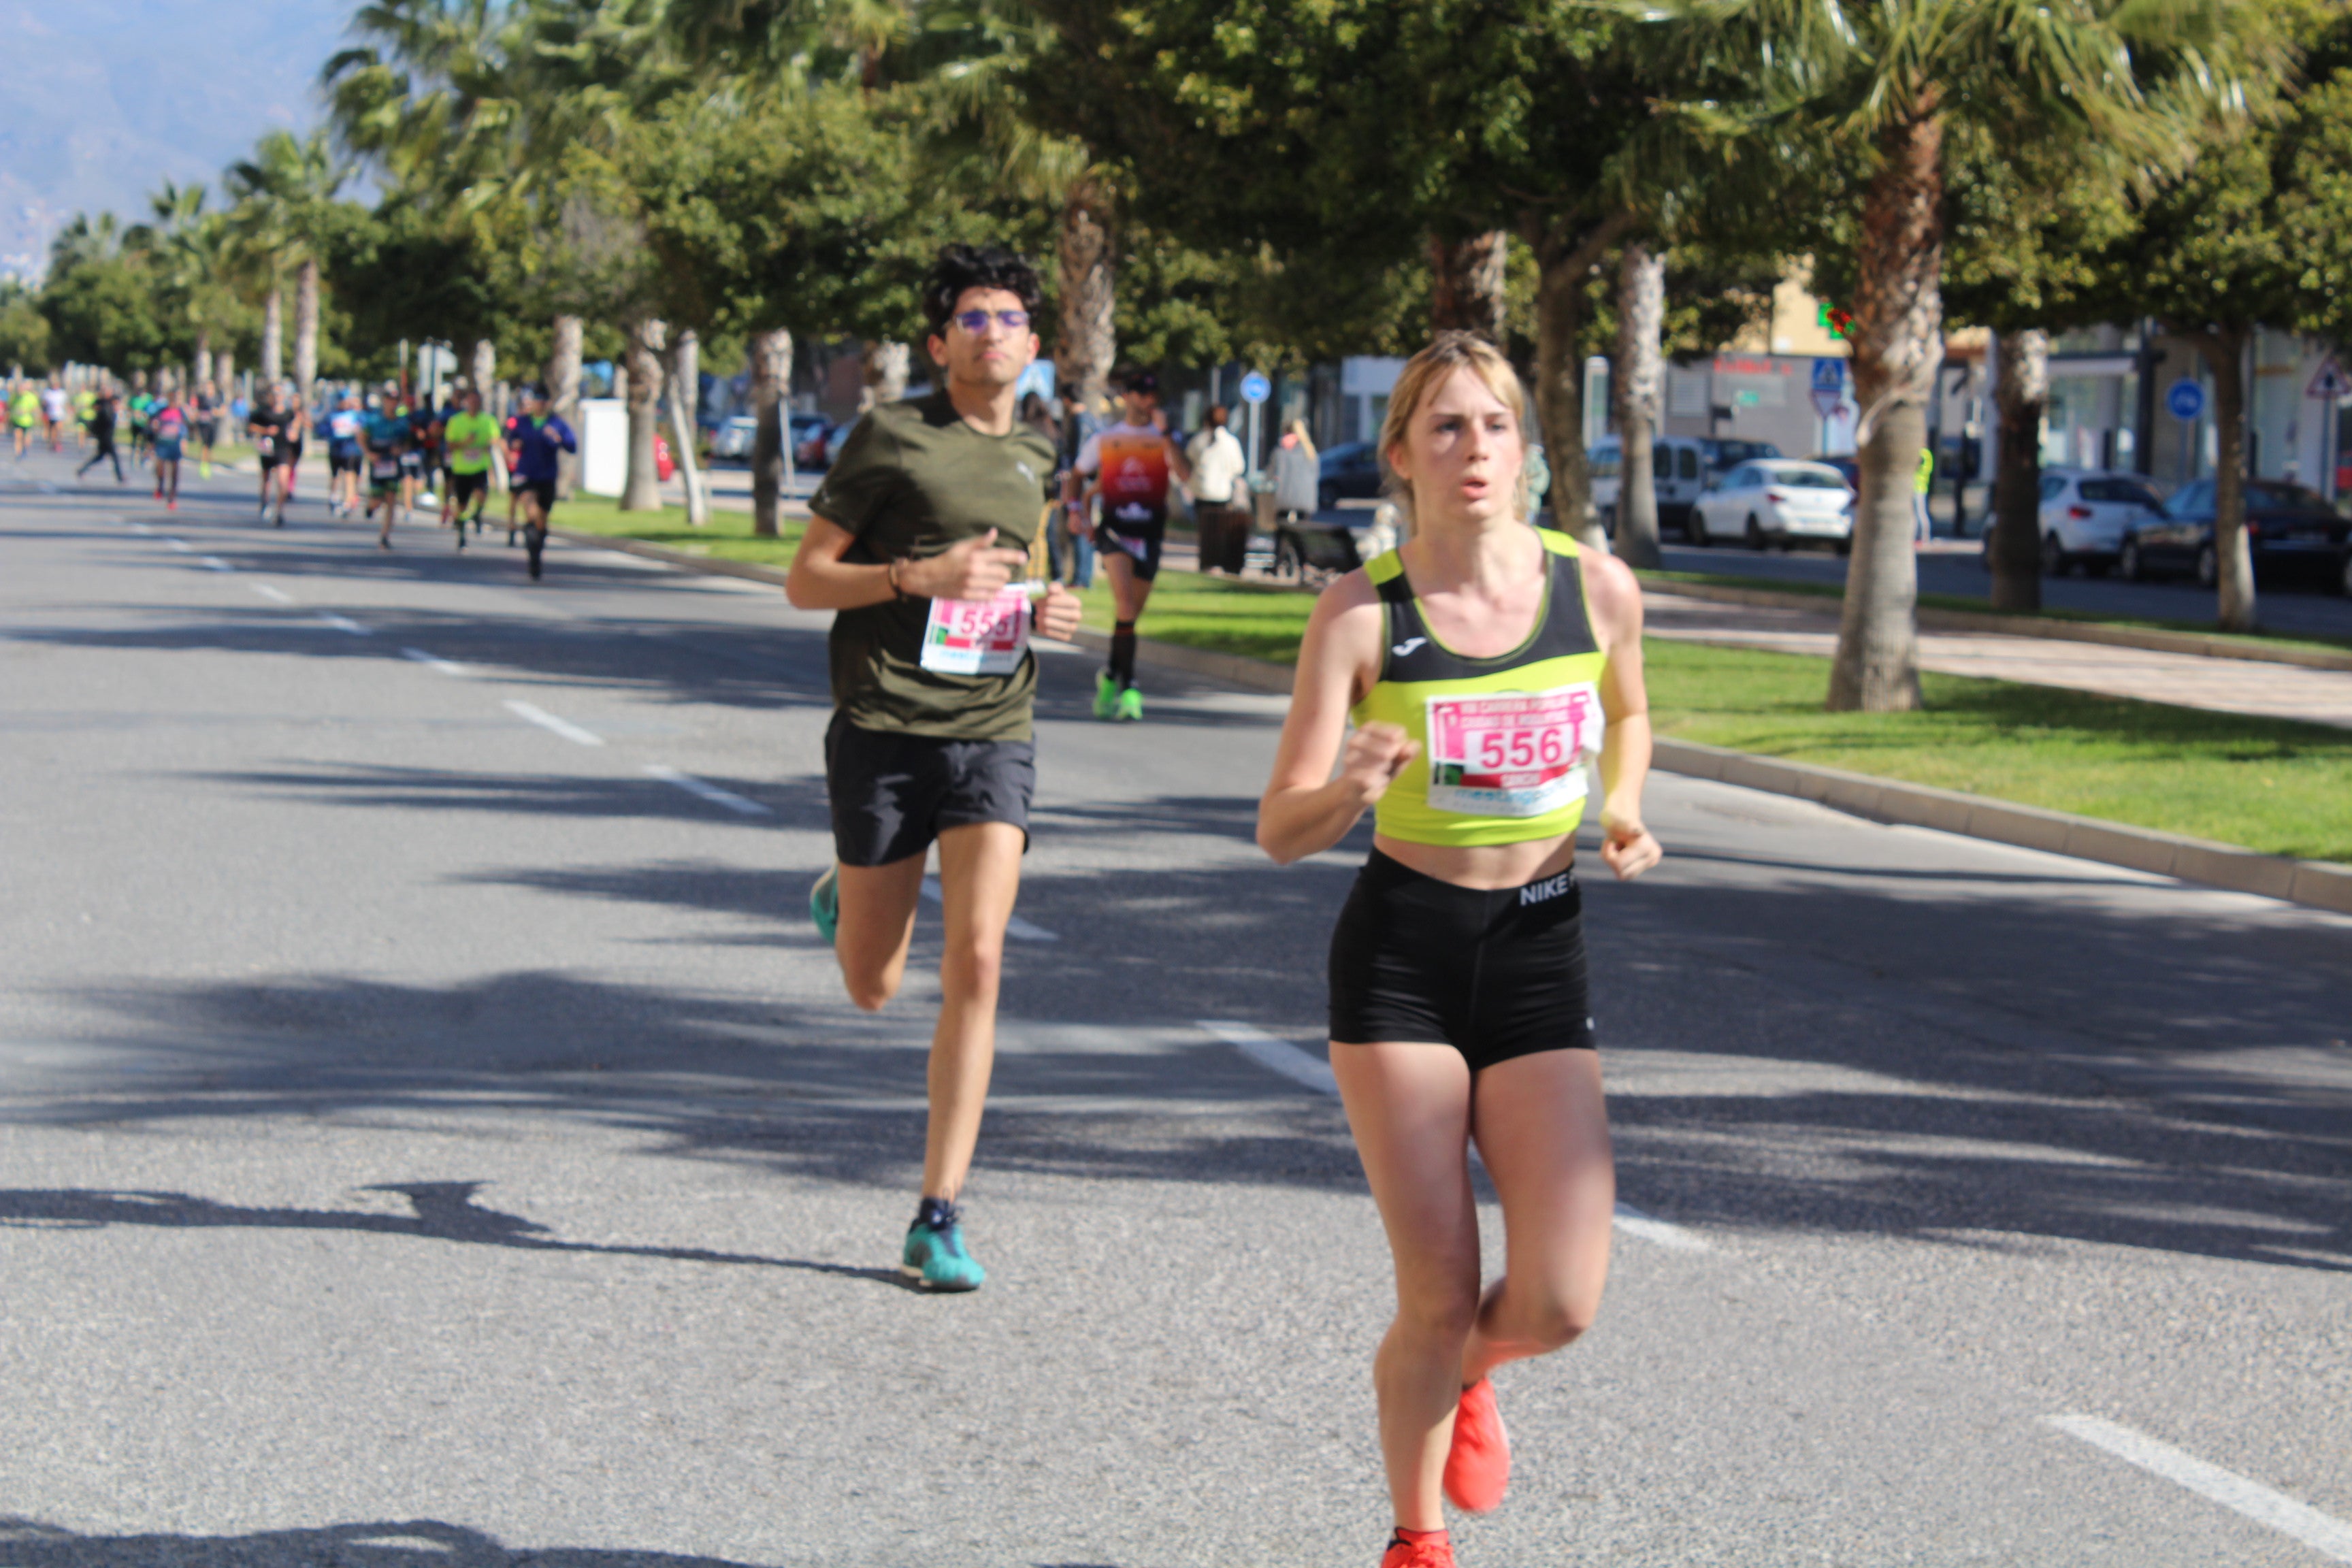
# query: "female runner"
[1485,663]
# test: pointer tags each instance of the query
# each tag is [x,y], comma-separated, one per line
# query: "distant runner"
[101,423]
[916,539]
[1130,466]
[536,443]
[472,437]
[383,441]
[169,425]
[271,428]
[346,454]
[57,413]
[23,415]
[205,416]
[1483,666]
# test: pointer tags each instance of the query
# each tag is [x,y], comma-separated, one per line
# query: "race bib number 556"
[979,637]
[1519,753]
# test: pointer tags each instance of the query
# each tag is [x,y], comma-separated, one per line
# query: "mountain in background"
[101,102]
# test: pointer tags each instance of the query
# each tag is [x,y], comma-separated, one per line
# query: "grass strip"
[1834,592]
[2267,783]
[728,535]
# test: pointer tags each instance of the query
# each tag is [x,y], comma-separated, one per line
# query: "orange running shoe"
[1419,1549]
[1478,1466]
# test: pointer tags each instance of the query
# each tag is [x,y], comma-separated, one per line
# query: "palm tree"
[1884,85]
[283,220]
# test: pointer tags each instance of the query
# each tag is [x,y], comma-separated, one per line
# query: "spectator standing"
[1219,466]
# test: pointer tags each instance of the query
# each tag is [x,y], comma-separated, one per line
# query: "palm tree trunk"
[1089,338]
[645,338]
[203,356]
[1898,331]
[273,333]
[771,373]
[885,373]
[225,368]
[481,370]
[1637,379]
[306,331]
[682,372]
[2023,395]
[564,394]
[2224,349]
[1466,285]
[1563,262]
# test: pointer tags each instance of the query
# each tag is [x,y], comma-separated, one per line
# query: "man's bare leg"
[980,877]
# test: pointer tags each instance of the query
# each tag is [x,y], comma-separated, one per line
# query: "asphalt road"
[429,1137]
[2283,607]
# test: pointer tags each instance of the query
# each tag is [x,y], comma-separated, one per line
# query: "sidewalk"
[2188,680]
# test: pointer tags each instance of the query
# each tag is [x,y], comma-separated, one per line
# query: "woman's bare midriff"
[1487,867]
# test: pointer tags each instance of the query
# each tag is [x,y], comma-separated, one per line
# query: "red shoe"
[1478,1466]
[1433,1550]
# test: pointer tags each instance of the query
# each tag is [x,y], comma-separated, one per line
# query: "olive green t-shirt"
[912,479]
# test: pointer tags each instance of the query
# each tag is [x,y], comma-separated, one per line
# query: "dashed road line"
[742,805]
[216,564]
[345,623]
[1015,928]
[182,546]
[1280,1055]
[276,595]
[432,661]
[546,721]
[141,528]
[2325,1534]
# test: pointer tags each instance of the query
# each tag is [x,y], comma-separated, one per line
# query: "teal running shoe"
[1105,695]
[1131,704]
[935,1258]
[825,903]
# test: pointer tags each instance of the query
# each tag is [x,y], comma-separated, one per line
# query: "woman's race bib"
[979,637]
[1512,753]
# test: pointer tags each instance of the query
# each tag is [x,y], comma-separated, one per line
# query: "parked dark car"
[1350,471]
[815,439]
[1846,464]
[1725,455]
[2291,531]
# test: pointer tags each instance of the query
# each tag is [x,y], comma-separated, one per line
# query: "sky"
[100,102]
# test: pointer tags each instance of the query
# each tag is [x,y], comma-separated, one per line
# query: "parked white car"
[2084,513]
[1776,502]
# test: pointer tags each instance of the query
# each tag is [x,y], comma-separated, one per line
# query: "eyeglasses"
[977,320]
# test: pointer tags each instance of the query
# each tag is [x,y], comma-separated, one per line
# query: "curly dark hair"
[962,267]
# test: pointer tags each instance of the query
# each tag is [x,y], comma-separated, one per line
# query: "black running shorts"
[543,488]
[1139,542]
[892,794]
[464,488]
[1494,973]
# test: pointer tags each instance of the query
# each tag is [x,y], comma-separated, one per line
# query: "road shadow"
[441,1211]
[409,1543]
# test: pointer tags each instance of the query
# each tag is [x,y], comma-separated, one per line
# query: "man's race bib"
[979,637]
[1512,753]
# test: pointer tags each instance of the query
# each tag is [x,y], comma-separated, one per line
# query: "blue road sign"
[1828,376]
[2184,399]
[1256,388]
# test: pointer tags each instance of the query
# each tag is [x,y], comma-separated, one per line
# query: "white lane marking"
[182,546]
[1304,1067]
[1634,1221]
[141,528]
[274,596]
[345,623]
[709,792]
[433,661]
[217,564]
[46,488]
[546,721]
[1015,928]
[1276,1055]
[2328,1536]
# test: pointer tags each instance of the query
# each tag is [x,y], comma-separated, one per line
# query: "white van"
[1680,467]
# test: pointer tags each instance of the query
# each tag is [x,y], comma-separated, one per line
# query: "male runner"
[384,440]
[1128,466]
[345,454]
[424,440]
[271,428]
[206,425]
[915,538]
[536,442]
[24,413]
[470,435]
[100,422]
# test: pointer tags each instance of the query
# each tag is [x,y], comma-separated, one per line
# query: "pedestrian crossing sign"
[2328,382]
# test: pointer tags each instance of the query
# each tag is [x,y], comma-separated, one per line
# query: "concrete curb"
[2322,885]
[1940,620]
[2311,882]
